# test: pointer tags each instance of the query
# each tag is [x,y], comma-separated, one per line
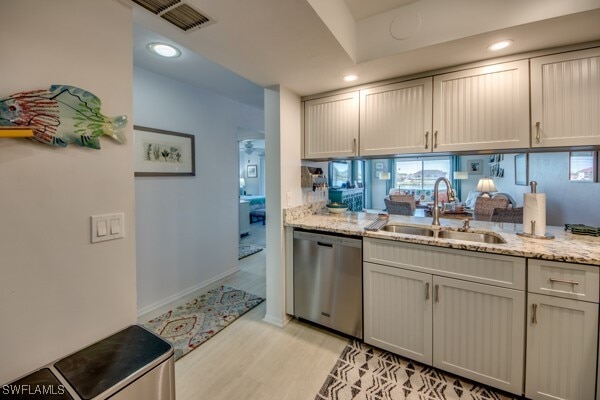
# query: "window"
[340,173]
[582,166]
[420,174]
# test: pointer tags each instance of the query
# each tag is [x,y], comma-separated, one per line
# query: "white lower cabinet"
[479,332]
[471,329]
[562,340]
[397,311]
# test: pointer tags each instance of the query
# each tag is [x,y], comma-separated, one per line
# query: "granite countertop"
[565,247]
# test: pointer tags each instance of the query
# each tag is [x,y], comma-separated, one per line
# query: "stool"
[259,214]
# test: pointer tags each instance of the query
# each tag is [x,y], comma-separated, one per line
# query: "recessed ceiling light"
[164,50]
[350,78]
[499,45]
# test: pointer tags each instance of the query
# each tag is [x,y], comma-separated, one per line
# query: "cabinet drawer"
[491,269]
[573,281]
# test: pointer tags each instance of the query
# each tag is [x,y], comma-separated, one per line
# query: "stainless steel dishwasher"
[328,281]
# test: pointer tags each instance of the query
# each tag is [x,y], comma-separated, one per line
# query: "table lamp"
[485,186]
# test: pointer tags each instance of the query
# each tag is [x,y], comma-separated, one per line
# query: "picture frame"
[475,167]
[522,169]
[159,152]
[252,171]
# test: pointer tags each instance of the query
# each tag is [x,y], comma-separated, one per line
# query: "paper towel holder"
[532,236]
[533,185]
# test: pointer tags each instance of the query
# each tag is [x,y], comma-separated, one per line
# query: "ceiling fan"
[249,147]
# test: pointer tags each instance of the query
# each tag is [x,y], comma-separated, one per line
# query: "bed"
[256,202]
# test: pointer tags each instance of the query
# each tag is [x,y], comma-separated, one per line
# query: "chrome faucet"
[436,210]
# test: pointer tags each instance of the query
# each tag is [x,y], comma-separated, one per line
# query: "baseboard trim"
[279,322]
[174,297]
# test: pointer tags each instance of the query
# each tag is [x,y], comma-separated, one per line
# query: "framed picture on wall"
[521,169]
[162,153]
[475,167]
[251,171]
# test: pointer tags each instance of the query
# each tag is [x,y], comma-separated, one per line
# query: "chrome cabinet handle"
[437,293]
[354,146]
[534,313]
[427,291]
[563,281]
[537,132]
[435,139]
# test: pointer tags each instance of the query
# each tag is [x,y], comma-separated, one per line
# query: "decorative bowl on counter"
[337,208]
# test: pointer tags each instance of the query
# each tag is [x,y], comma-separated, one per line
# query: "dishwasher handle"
[322,239]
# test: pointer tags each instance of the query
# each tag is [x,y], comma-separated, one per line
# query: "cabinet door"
[397,311]
[331,126]
[482,108]
[396,118]
[479,332]
[565,99]
[562,344]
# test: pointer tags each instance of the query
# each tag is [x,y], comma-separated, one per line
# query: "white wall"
[58,292]
[188,226]
[566,201]
[283,142]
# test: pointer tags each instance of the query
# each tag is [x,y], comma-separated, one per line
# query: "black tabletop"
[99,367]
[41,384]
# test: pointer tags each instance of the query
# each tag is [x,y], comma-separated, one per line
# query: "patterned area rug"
[247,250]
[189,325]
[363,372]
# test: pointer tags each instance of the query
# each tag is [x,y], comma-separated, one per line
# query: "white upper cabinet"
[331,126]
[482,108]
[565,99]
[396,118]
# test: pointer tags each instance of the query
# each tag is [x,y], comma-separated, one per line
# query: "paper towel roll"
[534,209]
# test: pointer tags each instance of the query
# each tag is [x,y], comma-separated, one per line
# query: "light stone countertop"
[565,247]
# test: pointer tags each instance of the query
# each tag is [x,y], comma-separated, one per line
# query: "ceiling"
[309,45]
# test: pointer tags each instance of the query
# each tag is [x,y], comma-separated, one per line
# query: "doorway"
[253,215]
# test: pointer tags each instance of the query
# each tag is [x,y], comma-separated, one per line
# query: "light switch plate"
[107,227]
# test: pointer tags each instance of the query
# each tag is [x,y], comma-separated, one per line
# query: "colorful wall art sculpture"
[61,115]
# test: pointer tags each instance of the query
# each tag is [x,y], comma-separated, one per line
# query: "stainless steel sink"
[444,234]
[409,230]
[471,236]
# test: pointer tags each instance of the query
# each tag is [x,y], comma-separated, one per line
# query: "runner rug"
[246,250]
[189,325]
[363,372]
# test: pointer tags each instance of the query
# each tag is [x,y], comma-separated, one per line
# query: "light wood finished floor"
[256,235]
[251,359]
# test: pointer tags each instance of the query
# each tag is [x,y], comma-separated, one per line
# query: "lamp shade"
[486,185]
[461,175]
[384,175]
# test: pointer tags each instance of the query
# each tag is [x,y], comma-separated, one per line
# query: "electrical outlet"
[288,197]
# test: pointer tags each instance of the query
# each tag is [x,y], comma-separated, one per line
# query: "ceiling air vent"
[180,14]
[156,6]
[185,17]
